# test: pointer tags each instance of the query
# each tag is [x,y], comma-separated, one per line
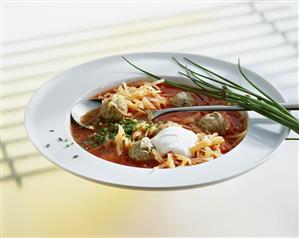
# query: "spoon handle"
[157,113]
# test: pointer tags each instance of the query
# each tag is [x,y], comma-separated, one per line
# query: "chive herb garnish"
[62,140]
[105,134]
[292,138]
[75,156]
[47,145]
[51,130]
[223,88]
[68,145]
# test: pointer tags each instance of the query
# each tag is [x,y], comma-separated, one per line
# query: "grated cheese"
[207,147]
[142,98]
[121,141]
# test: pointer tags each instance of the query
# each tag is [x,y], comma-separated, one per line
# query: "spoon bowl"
[82,107]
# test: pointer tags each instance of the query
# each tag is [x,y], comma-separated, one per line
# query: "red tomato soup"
[119,132]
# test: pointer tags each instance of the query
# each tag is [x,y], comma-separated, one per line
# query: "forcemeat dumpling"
[114,108]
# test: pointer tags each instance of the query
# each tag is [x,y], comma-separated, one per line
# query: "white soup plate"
[49,109]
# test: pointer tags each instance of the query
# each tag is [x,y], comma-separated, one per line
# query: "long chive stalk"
[228,84]
[277,110]
[227,90]
[233,85]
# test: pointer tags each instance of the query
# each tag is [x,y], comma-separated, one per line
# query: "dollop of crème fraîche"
[174,139]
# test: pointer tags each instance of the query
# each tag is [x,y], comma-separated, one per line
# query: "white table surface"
[43,39]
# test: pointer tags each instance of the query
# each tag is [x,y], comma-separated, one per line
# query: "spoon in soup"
[83,111]
[210,108]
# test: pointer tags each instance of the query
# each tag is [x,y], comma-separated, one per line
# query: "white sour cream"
[175,139]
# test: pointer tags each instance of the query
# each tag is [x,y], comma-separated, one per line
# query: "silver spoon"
[82,107]
[157,113]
